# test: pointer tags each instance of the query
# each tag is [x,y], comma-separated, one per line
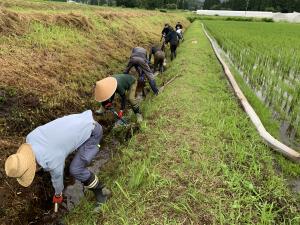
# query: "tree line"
[284,6]
[249,5]
[147,4]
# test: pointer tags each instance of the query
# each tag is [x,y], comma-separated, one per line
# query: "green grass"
[197,160]
[54,36]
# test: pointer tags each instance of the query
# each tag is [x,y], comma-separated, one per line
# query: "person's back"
[172,38]
[153,50]
[54,141]
[166,30]
[124,82]
[139,52]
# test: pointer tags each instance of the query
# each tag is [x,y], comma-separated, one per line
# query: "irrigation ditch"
[38,208]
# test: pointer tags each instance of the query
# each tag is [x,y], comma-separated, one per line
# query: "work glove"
[120,114]
[108,105]
[58,198]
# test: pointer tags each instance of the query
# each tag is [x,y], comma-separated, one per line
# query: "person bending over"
[159,58]
[49,145]
[138,59]
[121,83]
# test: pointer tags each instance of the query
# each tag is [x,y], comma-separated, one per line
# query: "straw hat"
[105,88]
[21,165]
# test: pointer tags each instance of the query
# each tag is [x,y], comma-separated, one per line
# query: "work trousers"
[85,154]
[131,97]
[140,65]
[159,58]
[173,48]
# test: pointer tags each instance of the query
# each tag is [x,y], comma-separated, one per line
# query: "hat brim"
[26,179]
[105,89]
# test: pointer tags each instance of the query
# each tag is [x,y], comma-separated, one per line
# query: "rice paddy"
[267,56]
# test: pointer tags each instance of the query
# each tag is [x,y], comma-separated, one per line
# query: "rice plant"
[267,56]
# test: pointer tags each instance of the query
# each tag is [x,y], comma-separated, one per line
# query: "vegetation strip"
[270,140]
[197,160]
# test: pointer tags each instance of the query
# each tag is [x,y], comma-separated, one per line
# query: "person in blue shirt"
[49,145]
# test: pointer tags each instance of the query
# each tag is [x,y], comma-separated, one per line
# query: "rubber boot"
[100,191]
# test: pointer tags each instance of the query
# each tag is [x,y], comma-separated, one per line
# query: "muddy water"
[287,135]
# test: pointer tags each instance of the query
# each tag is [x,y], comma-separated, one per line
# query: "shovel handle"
[55,207]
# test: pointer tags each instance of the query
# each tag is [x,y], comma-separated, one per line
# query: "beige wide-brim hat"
[22,165]
[105,88]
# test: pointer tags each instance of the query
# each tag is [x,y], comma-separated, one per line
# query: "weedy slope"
[198,159]
[51,55]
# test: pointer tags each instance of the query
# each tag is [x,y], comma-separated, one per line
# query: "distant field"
[267,56]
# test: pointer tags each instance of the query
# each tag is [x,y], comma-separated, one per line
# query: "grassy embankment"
[51,55]
[198,158]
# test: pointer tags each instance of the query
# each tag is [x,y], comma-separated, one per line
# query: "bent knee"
[74,171]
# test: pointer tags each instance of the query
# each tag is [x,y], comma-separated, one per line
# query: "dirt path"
[198,159]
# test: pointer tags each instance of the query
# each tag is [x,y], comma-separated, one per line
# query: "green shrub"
[171,6]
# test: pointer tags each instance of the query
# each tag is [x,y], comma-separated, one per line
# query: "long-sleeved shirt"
[165,31]
[172,37]
[54,141]
[124,83]
[153,50]
[139,52]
